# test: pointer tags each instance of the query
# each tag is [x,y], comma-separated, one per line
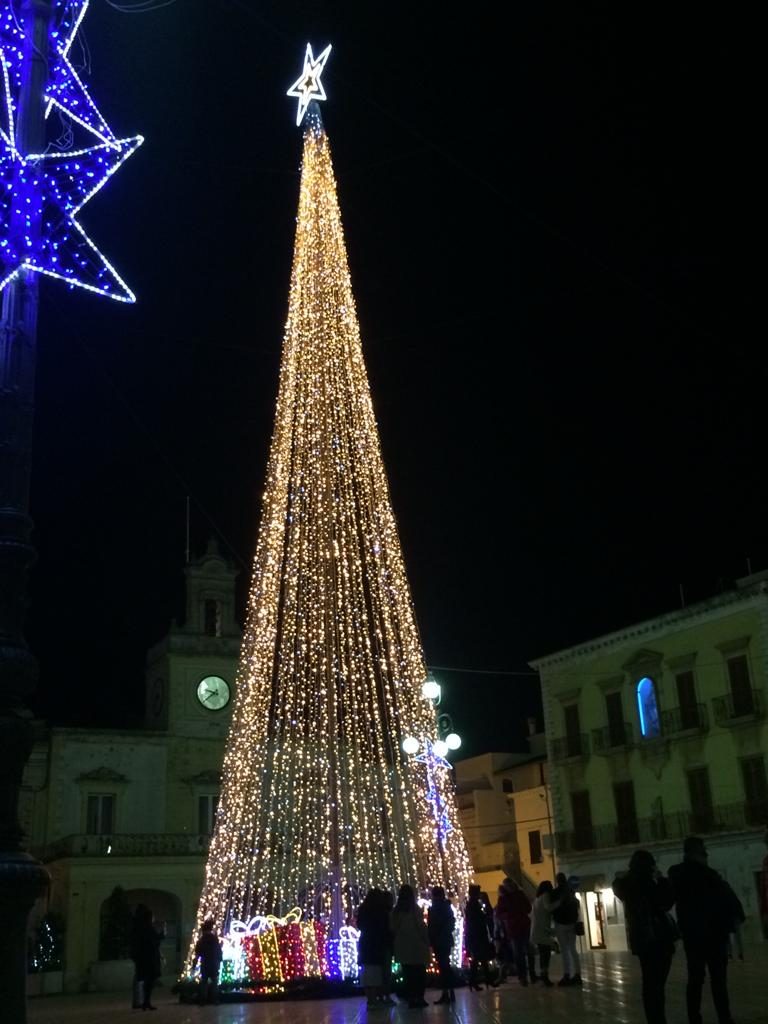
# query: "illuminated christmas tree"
[319,799]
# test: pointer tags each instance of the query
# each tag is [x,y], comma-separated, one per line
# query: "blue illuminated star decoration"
[308,86]
[433,763]
[64,89]
[40,198]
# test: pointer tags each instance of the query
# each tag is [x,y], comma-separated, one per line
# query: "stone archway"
[166,909]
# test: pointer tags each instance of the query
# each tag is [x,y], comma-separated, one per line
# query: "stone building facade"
[505,813]
[656,732]
[135,808]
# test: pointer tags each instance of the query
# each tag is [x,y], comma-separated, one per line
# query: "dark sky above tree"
[540,206]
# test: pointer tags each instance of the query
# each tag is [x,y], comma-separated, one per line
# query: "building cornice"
[712,608]
[102,774]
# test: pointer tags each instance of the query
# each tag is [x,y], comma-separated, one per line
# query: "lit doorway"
[595,920]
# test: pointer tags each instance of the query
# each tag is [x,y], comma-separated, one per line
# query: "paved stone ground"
[611,995]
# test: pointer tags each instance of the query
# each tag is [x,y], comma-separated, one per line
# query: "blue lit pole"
[432,754]
[22,879]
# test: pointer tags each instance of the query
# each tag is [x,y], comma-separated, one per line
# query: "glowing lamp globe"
[430,689]
[453,741]
[440,747]
[411,745]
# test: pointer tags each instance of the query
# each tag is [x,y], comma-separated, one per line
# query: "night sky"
[542,209]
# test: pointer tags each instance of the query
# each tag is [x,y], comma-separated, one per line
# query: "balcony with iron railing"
[688,718]
[740,817]
[566,747]
[152,844]
[612,738]
[731,709]
[631,831]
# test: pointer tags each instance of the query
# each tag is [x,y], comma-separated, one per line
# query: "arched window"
[648,709]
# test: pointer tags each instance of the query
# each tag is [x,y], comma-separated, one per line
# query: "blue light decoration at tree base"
[42,194]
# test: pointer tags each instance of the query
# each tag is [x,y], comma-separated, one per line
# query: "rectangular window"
[206,813]
[741,685]
[583,838]
[615,710]
[755,790]
[572,730]
[700,794]
[212,624]
[626,816]
[534,847]
[100,814]
[686,699]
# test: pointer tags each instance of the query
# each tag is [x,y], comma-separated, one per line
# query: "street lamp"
[440,747]
[411,745]
[22,879]
[433,753]
[41,196]
[453,741]
[431,690]
[446,732]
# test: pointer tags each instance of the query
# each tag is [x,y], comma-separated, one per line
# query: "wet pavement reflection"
[611,994]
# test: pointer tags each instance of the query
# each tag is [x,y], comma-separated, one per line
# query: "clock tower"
[190,679]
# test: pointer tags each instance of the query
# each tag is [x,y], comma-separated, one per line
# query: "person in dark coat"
[566,918]
[513,913]
[208,952]
[647,897]
[478,929]
[375,944]
[440,924]
[411,945]
[706,910]
[388,900]
[145,953]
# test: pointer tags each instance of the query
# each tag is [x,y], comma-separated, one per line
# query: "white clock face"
[213,693]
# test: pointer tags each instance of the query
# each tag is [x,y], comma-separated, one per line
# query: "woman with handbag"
[647,897]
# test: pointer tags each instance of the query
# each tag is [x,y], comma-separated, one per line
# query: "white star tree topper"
[308,86]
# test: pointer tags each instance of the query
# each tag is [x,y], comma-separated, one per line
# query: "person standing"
[388,901]
[513,911]
[501,946]
[542,933]
[145,953]
[478,929]
[411,945]
[208,952]
[440,924]
[706,908]
[647,897]
[374,943]
[565,915]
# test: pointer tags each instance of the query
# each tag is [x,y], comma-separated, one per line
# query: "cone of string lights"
[319,801]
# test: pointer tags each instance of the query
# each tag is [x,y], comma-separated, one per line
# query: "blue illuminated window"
[648,709]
